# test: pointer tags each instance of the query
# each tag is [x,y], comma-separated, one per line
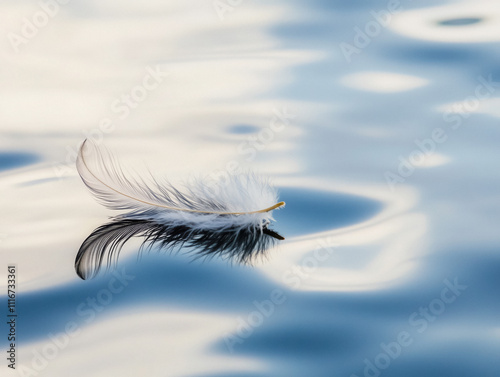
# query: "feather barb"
[81,155]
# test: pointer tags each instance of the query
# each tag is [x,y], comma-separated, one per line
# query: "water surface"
[380,128]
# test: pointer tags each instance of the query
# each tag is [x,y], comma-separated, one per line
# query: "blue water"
[407,282]
[11,160]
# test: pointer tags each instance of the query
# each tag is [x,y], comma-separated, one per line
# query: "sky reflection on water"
[361,254]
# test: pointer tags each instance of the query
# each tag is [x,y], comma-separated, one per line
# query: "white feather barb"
[240,201]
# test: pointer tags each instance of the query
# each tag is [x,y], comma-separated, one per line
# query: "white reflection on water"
[398,226]
[383,82]
[140,346]
[457,22]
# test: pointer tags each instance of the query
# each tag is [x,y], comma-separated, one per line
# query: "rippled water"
[377,120]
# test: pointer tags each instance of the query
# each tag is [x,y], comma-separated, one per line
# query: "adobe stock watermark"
[246,325]
[222,7]
[425,148]
[86,312]
[121,107]
[363,37]
[297,274]
[293,277]
[418,322]
[460,111]
[31,26]
[248,151]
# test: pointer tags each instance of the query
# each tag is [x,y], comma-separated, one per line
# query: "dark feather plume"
[105,243]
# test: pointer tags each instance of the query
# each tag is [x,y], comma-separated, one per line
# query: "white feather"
[241,201]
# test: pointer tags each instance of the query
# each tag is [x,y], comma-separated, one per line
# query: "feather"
[208,218]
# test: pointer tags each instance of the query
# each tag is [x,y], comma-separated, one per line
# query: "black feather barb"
[103,246]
